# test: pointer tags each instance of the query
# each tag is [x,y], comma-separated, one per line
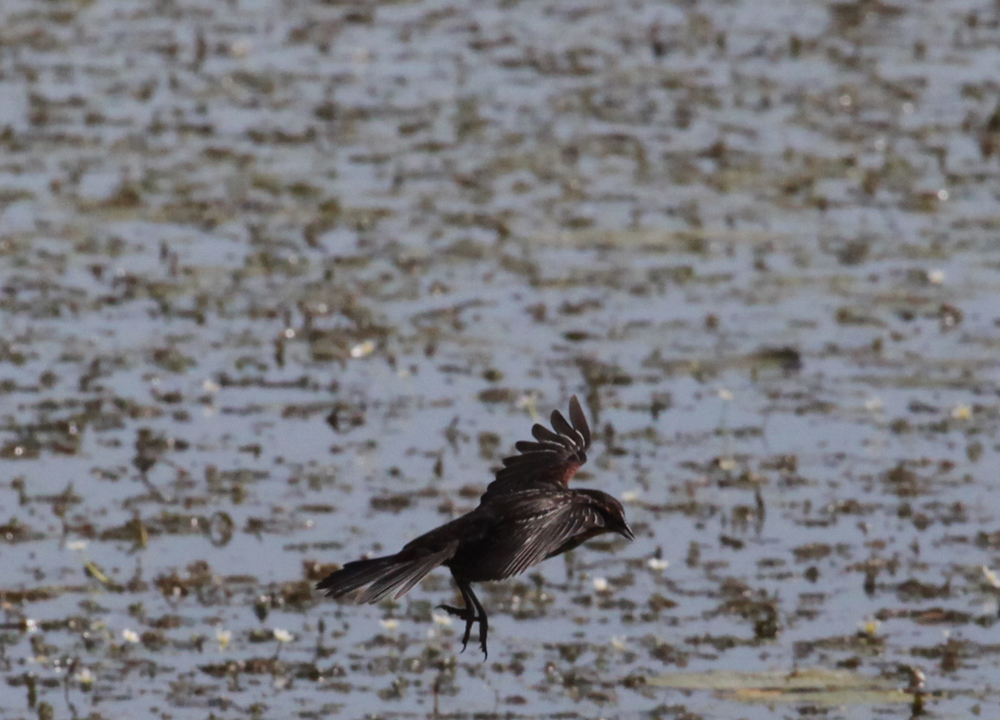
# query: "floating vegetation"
[267,281]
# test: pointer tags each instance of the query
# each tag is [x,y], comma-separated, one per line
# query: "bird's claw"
[483,631]
[462,613]
[470,618]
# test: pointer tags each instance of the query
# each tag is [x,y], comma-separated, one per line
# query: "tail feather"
[402,577]
[355,575]
[381,576]
[420,572]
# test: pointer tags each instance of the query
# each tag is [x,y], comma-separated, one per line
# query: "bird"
[527,514]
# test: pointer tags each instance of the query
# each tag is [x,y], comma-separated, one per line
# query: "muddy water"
[282,282]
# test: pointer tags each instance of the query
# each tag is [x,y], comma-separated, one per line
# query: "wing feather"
[560,425]
[579,421]
[540,523]
[551,459]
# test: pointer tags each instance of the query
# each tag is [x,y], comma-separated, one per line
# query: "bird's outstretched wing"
[551,459]
[533,526]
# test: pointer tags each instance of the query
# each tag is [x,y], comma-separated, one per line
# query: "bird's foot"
[484,629]
[470,618]
[463,614]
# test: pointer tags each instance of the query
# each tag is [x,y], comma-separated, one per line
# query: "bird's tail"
[380,576]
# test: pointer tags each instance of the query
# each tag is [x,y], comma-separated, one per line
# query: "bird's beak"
[626,532]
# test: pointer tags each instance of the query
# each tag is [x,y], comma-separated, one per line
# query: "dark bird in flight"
[527,514]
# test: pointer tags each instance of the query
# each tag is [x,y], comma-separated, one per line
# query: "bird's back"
[520,529]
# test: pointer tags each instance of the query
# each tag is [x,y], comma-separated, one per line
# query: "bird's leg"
[467,613]
[472,613]
[484,624]
[462,614]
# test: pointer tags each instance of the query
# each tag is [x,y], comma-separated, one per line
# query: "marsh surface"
[281,282]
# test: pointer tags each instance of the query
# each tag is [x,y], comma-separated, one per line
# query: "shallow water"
[282,282]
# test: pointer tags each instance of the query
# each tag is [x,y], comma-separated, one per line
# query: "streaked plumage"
[527,514]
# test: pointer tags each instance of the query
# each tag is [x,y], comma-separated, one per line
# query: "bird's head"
[614,515]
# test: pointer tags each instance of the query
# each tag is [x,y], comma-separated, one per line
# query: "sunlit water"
[317,267]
